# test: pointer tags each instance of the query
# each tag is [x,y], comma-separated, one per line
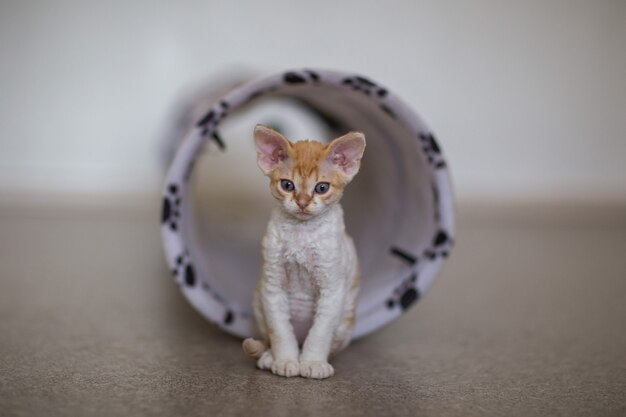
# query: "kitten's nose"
[302,201]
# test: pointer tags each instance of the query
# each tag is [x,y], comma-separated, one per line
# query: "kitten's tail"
[254,348]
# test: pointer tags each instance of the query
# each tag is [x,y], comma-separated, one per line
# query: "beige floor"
[528,318]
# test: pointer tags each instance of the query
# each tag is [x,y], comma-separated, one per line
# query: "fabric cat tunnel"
[398,209]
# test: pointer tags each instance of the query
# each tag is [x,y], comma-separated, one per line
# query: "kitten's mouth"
[303,213]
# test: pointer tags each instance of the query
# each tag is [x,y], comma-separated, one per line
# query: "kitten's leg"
[259,349]
[266,361]
[316,348]
[284,352]
[343,334]
[344,331]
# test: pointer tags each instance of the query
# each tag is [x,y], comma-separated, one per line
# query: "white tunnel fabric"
[399,209]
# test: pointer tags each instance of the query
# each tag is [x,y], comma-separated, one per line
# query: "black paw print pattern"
[184,270]
[406,294]
[301,77]
[440,247]
[432,150]
[170,212]
[229,317]
[369,88]
[290,78]
[210,120]
[362,84]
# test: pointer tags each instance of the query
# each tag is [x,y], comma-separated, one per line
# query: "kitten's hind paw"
[316,369]
[286,367]
[265,361]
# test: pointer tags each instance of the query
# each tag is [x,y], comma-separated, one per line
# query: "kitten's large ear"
[271,148]
[346,152]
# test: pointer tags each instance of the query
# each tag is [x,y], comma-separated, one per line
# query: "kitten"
[310,277]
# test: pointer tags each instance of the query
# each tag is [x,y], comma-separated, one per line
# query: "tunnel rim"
[177,193]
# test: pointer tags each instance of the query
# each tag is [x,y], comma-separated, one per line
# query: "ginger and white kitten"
[310,277]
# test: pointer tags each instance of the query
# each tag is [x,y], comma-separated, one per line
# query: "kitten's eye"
[287,185]
[322,187]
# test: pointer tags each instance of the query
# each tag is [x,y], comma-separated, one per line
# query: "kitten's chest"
[301,281]
[307,247]
[302,252]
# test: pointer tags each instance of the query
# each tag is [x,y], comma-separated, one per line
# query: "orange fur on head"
[306,164]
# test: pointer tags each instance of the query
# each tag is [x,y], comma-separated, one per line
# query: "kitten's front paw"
[266,360]
[286,367]
[316,369]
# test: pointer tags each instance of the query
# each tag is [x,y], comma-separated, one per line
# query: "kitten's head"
[307,176]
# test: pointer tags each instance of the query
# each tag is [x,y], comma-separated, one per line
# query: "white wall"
[528,98]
